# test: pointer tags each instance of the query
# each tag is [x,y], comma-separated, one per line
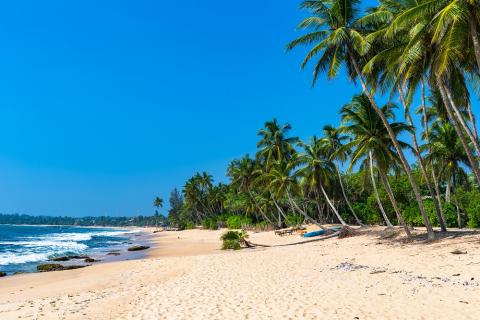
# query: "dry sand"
[187,277]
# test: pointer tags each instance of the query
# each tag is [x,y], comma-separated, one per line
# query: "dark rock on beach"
[89,260]
[60,259]
[138,248]
[68,258]
[2,274]
[55,267]
[49,267]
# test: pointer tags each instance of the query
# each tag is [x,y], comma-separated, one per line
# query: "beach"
[187,276]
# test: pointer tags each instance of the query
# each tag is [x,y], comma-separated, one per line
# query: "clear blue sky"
[106,104]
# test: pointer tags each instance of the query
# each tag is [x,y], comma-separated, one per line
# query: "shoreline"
[114,253]
[186,276]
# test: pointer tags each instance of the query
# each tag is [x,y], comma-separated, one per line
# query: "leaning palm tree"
[317,171]
[338,38]
[446,153]
[243,173]
[390,71]
[332,141]
[283,181]
[441,29]
[370,142]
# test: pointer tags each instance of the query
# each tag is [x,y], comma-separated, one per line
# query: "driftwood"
[251,244]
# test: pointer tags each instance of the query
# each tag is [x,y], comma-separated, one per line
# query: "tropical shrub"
[233,239]
[238,222]
[293,220]
[189,225]
[210,224]
[231,245]
[413,217]
[367,213]
[263,226]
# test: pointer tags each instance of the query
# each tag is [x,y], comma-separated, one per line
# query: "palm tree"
[371,142]
[317,171]
[283,182]
[158,202]
[333,143]
[274,144]
[446,152]
[338,37]
[243,173]
[391,68]
[439,28]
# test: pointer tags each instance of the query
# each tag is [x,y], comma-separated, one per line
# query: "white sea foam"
[7,258]
[47,244]
[40,248]
[70,236]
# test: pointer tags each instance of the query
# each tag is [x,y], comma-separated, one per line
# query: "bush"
[238,222]
[470,202]
[210,224]
[473,213]
[367,213]
[412,214]
[233,239]
[231,244]
[189,225]
[263,226]
[293,220]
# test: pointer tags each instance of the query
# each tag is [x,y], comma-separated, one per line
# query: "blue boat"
[319,232]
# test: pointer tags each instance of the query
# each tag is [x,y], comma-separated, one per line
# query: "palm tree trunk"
[280,212]
[403,160]
[459,218]
[258,206]
[438,207]
[346,198]
[321,216]
[460,118]
[448,191]
[377,197]
[332,206]
[427,136]
[458,130]
[472,119]
[292,201]
[386,184]
[474,35]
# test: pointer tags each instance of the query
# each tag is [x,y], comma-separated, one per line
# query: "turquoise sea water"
[22,248]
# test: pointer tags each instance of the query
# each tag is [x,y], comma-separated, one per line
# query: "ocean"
[22,248]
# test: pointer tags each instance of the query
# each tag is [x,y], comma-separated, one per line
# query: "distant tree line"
[103,221]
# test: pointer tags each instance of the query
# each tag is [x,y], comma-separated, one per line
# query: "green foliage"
[367,212]
[233,239]
[470,202]
[262,226]
[189,225]
[231,244]
[210,224]
[293,220]
[412,214]
[238,222]
[103,221]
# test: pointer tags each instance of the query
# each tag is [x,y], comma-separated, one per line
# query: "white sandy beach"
[188,277]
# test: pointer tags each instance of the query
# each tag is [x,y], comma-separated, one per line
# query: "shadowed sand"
[188,277]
